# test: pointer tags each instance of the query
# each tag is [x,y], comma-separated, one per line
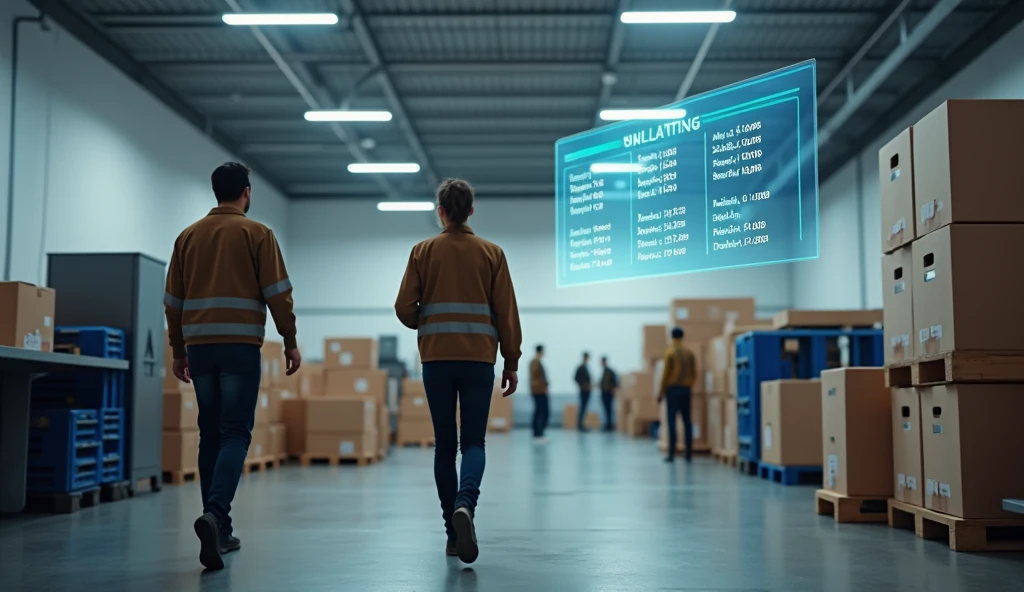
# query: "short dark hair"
[540,349]
[456,197]
[604,359]
[677,333]
[586,354]
[229,180]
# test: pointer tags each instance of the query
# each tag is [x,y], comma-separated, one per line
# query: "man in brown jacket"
[679,370]
[539,390]
[226,270]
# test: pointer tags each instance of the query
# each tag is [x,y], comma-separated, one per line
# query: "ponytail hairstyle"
[456,197]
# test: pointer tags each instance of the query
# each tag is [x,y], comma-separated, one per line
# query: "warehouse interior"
[114,114]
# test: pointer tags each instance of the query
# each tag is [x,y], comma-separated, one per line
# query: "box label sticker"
[188,405]
[259,450]
[696,431]
[767,436]
[929,210]
[911,482]
[929,275]
[898,227]
[922,335]
[499,422]
[275,368]
[894,175]
[47,321]
[832,392]
[335,347]
[682,313]
[345,358]
[931,487]
[901,480]
[32,341]
[907,426]
[936,428]
[732,316]
[362,385]
[899,287]
[347,447]
[833,469]
[417,401]
[936,331]
[945,490]
[263,401]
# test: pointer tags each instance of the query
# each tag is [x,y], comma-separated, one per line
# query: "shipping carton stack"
[340,429]
[952,224]
[180,451]
[791,434]
[720,386]
[414,424]
[857,446]
[638,403]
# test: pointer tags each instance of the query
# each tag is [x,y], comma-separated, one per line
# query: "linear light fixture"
[405,206]
[627,114]
[247,19]
[678,17]
[614,167]
[342,115]
[384,167]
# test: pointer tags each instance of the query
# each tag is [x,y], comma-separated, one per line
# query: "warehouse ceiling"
[482,89]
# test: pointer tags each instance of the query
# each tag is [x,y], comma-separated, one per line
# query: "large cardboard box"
[414,430]
[856,409]
[293,413]
[181,410]
[711,310]
[272,398]
[698,425]
[310,380]
[972,446]
[180,450]
[171,384]
[827,318]
[639,384]
[570,418]
[791,422]
[341,414]
[350,352]
[730,436]
[413,403]
[695,334]
[898,305]
[272,356]
[26,316]
[645,408]
[277,436]
[259,447]
[655,341]
[966,164]
[907,459]
[502,412]
[262,409]
[896,185]
[342,444]
[356,383]
[967,295]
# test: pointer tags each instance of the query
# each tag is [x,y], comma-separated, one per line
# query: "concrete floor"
[584,513]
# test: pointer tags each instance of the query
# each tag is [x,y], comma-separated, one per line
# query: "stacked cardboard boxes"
[341,428]
[951,219]
[720,386]
[856,432]
[414,423]
[791,423]
[638,403]
[180,447]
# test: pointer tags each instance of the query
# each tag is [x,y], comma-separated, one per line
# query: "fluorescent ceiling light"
[626,114]
[383,167]
[614,167]
[678,17]
[348,116]
[281,19]
[405,206]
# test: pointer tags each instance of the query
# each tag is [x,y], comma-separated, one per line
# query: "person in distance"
[539,391]
[609,382]
[225,271]
[457,294]
[582,379]
[678,373]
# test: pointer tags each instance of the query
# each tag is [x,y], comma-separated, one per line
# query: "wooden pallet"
[958,366]
[726,457]
[416,443]
[844,508]
[963,534]
[309,460]
[182,476]
[62,503]
[263,463]
[115,492]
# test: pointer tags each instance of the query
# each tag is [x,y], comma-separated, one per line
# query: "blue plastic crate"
[102,342]
[63,450]
[96,389]
[793,353]
[111,452]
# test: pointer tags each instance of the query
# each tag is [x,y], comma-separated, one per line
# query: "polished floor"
[590,512]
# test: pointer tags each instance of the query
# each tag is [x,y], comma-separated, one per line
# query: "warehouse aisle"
[586,513]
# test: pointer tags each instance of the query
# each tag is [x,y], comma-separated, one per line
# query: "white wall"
[347,260]
[850,212]
[101,165]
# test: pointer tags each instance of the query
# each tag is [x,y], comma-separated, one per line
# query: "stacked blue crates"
[63,450]
[792,353]
[99,391]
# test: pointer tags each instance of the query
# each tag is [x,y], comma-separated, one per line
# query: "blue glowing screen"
[733,182]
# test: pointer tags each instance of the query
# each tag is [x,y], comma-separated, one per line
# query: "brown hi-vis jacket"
[225,271]
[457,293]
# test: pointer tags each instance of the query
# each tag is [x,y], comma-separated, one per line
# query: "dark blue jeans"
[677,401]
[584,400]
[608,402]
[541,414]
[227,381]
[470,384]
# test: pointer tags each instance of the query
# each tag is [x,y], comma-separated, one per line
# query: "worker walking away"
[609,383]
[678,373]
[583,382]
[457,293]
[225,271]
[539,391]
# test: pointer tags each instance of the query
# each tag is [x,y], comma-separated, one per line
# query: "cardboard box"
[356,383]
[698,425]
[272,355]
[907,460]
[655,341]
[350,352]
[311,380]
[967,288]
[277,434]
[896,185]
[730,435]
[293,413]
[570,418]
[898,305]
[273,397]
[262,409]
[696,334]
[791,422]
[502,412]
[966,166]
[827,318]
[711,310]
[972,444]
[414,430]
[181,410]
[639,384]
[342,444]
[856,410]
[413,406]
[715,421]
[341,414]
[26,316]
[645,408]
[259,447]
[180,450]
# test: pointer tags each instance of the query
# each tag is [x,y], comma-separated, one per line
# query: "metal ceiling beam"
[298,78]
[698,60]
[616,39]
[373,55]
[925,27]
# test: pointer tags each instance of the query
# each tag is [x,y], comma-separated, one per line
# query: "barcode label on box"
[263,402]
[833,469]
[931,487]
[47,321]
[696,431]
[417,401]
[899,287]
[32,341]
[682,313]
[911,482]
[347,448]
[901,480]
[907,426]
[929,210]
[335,347]
[936,331]
[362,385]
[945,490]
[345,359]
[922,335]
[898,227]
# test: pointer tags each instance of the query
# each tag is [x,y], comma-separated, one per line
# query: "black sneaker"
[229,543]
[208,532]
[450,548]
[465,533]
